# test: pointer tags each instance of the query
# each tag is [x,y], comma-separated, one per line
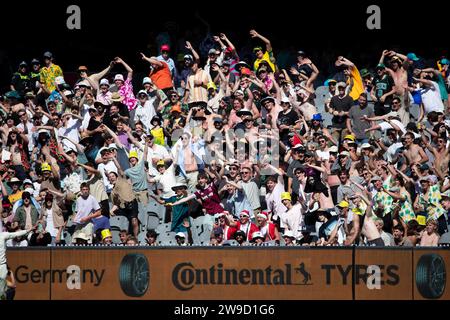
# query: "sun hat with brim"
[244,112]
[286,196]
[14,180]
[266,99]
[116,97]
[179,186]
[366,146]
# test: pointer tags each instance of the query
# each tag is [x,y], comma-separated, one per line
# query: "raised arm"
[255,34]
[194,53]
[151,60]
[127,67]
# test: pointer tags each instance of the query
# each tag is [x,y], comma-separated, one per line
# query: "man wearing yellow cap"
[293,217]
[136,173]
[349,224]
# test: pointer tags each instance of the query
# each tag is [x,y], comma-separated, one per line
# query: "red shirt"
[210,199]
[162,77]
[248,228]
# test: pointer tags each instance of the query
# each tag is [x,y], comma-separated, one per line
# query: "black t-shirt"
[340,104]
[382,86]
[287,119]
[97,136]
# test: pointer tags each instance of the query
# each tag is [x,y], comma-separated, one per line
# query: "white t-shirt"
[110,166]
[50,226]
[431,99]
[71,131]
[145,113]
[84,207]
[293,220]
[167,180]
[156,151]
[274,204]
[324,155]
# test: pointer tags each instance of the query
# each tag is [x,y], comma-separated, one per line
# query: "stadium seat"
[152,222]
[163,228]
[115,235]
[120,222]
[141,238]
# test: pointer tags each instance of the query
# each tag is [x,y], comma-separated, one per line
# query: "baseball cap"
[165,47]
[344,153]
[48,55]
[376,178]
[380,66]
[180,235]
[412,56]
[445,61]
[188,57]
[343,204]
[333,149]
[255,49]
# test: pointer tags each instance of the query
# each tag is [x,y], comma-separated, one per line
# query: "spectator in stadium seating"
[87,208]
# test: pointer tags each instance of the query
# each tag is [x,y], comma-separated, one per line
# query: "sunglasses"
[245,172]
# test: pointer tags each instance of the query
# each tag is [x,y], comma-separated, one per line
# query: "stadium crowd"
[242,143]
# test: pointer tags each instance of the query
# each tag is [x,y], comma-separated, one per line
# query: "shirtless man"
[413,153]
[369,229]
[441,154]
[429,236]
[350,224]
[397,72]
[273,110]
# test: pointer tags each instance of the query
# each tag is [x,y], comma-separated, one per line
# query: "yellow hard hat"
[286,196]
[106,233]
[133,154]
[46,167]
[350,137]
[343,204]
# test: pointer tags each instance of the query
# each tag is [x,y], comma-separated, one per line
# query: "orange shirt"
[162,77]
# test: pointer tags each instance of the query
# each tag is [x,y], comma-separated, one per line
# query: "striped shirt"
[198,93]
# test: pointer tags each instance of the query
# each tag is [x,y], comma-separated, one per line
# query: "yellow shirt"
[49,74]
[358,86]
[158,134]
[266,57]
[14,197]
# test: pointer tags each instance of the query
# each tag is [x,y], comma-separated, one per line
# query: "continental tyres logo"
[134,275]
[431,276]
[185,276]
